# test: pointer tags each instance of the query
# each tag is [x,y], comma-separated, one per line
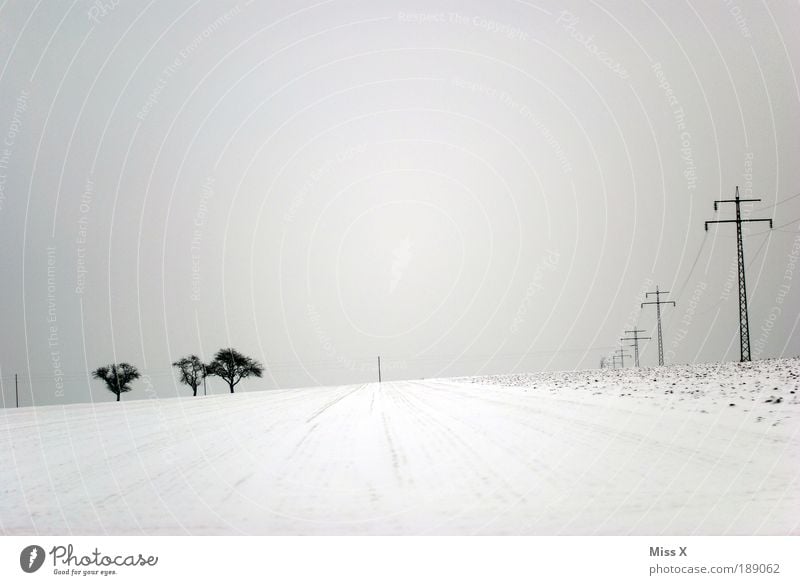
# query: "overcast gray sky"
[459,186]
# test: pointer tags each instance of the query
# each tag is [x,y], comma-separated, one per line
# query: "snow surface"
[704,449]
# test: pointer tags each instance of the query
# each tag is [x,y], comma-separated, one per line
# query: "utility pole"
[658,302]
[205,375]
[744,323]
[635,343]
[16,389]
[379,369]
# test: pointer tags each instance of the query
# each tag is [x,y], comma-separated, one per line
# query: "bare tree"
[192,371]
[232,366]
[117,377]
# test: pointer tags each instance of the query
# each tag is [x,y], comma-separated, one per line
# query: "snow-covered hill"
[706,449]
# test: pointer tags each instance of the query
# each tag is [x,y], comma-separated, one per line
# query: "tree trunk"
[118,395]
[194,391]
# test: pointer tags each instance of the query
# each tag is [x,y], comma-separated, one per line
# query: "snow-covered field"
[706,449]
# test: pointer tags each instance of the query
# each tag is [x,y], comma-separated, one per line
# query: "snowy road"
[440,457]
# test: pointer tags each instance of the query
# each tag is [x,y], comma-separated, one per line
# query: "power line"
[781,202]
[758,250]
[694,265]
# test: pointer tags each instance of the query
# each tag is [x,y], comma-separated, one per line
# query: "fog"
[458,187]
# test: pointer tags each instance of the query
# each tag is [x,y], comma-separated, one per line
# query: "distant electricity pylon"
[744,323]
[620,353]
[658,302]
[635,343]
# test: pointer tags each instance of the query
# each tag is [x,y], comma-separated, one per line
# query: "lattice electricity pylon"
[744,321]
[658,302]
[620,353]
[635,345]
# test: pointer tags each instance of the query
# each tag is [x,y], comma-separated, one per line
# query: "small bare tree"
[192,371]
[117,377]
[232,366]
